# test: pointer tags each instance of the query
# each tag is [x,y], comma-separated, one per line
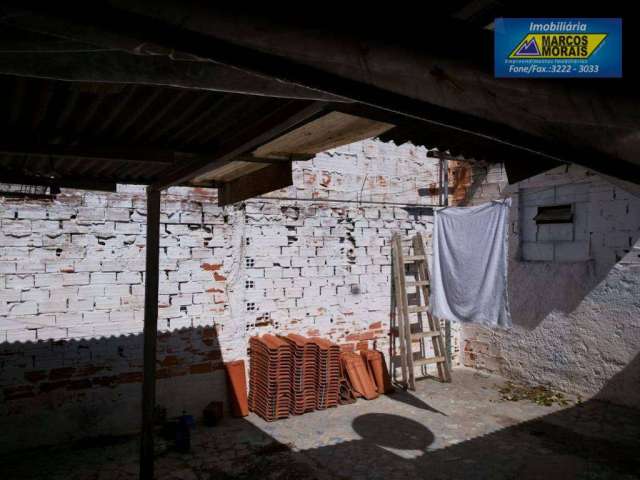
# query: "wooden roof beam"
[269,128]
[430,102]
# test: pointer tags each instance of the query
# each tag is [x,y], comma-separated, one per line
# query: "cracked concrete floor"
[441,431]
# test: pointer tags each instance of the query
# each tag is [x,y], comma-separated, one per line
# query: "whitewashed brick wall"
[313,258]
[74,268]
[575,309]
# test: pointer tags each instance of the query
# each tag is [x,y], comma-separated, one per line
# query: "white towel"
[469,268]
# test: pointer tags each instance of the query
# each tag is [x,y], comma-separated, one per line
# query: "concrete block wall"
[575,311]
[313,259]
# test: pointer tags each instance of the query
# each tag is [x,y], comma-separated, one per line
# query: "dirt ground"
[442,431]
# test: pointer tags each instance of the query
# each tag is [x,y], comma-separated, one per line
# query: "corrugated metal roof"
[127,133]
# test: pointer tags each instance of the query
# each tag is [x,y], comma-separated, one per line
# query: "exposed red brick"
[309,178]
[170,360]
[130,377]
[211,267]
[362,345]
[80,384]
[105,381]
[50,386]
[313,333]
[326,180]
[214,355]
[67,270]
[219,278]
[88,371]
[178,370]
[35,376]
[209,332]
[61,373]
[17,392]
[375,325]
[460,173]
[200,368]
[217,364]
[215,290]
[354,337]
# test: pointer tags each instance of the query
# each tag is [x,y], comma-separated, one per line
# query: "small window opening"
[554,214]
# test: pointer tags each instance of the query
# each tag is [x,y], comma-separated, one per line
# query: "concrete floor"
[441,431]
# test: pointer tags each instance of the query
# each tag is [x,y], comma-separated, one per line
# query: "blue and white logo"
[558,47]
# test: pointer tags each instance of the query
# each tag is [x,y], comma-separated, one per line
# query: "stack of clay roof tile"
[359,375]
[305,373]
[328,374]
[270,377]
[377,367]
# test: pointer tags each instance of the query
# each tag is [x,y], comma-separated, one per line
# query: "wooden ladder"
[408,326]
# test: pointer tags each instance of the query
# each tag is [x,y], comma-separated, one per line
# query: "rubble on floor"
[441,431]
[538,394]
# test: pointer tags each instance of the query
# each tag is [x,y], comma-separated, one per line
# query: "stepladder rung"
[421,335]
[413,258]
[428,361]
[417,334]
[419,360]
[417,283]
[417,309]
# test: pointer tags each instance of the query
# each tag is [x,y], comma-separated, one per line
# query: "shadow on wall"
[61,390]
[536,289]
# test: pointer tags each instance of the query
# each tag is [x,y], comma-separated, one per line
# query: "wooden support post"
[444,191]
[150,332]
[445,182]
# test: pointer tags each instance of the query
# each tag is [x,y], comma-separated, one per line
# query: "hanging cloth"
[469,267]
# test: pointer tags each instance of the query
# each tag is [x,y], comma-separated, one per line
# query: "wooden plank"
[329,131]
[414,258]
[229,172]
[417,357]
[151,276]
[268,179]
[421,335]
[429,361]
[417,309]
[276,124]
[416,333]
[398,275]
[434,324]
[404,323]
